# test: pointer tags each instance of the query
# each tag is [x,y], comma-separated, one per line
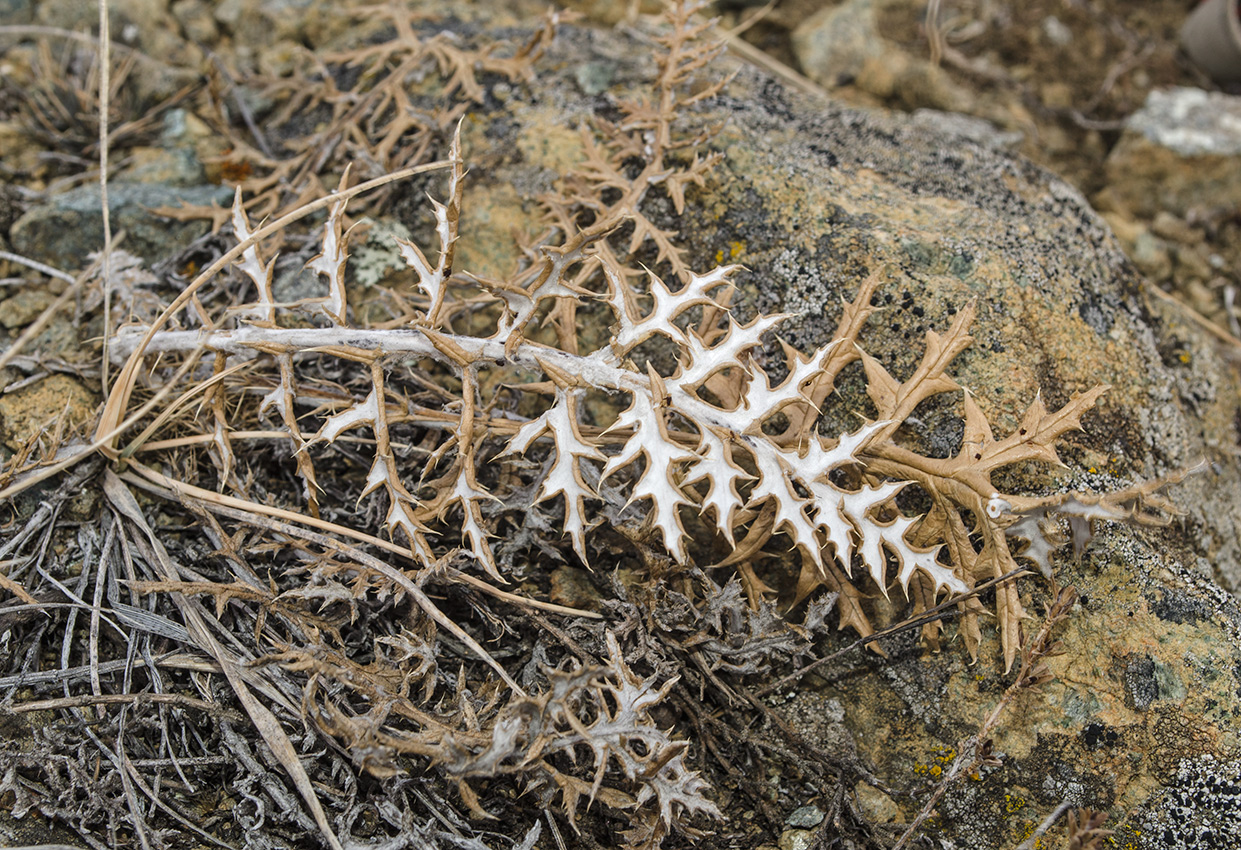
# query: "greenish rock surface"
[68,227]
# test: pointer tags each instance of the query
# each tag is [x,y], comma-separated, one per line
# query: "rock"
[814,197]
[796,839]
[196,20]
[1150,254]
[841,45]
[806,817]
[967,128]
[184,142]
[833,44]
[908,82]
[65,229]
[24,307]
[1180,151]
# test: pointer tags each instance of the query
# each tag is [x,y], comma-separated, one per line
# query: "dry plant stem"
[940,612]
[1047,823]
[975,750]
[110,424]
[113,421]
[37,266]
[178,700]
[173,661]
[105,75]
[249,511]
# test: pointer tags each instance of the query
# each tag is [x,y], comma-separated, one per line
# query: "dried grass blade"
[17,590]
[210,498]
[264,720]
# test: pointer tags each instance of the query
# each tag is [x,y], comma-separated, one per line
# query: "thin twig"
[37,266]
[1048,823]
[941,611]
[105,76]
[975,751]
[174,660]
[178,700]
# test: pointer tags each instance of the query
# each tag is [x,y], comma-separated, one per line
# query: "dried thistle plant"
[541,392]
[716,435]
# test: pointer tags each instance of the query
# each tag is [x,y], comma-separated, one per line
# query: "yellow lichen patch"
[941,757]
[40,407]
[552,146]
[495,219]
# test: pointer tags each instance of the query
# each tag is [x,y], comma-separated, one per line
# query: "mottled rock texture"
[811,198]
[1180,152]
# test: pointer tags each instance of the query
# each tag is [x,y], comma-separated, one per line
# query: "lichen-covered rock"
[811,198]
[1180,151]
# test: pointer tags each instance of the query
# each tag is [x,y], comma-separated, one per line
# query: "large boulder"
[811,198]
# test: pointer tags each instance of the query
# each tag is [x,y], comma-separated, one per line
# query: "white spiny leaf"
[379,476]
[666,307]
[354,417]
[471,497]
[251,264]
[400,516]
[276,399]
[829,514]
[664,456]
[875,537]
[774,483]
[330,263]
[700,362]
[432,279]
[761,400]
[640,416]
[714,463]
[856,506]
[565,476]
[913,560]
[818,461]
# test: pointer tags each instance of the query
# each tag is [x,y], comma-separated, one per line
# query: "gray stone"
[966,127]
[1190,121]
[1181,151]
[65,229]
[834,43]
[806,817]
